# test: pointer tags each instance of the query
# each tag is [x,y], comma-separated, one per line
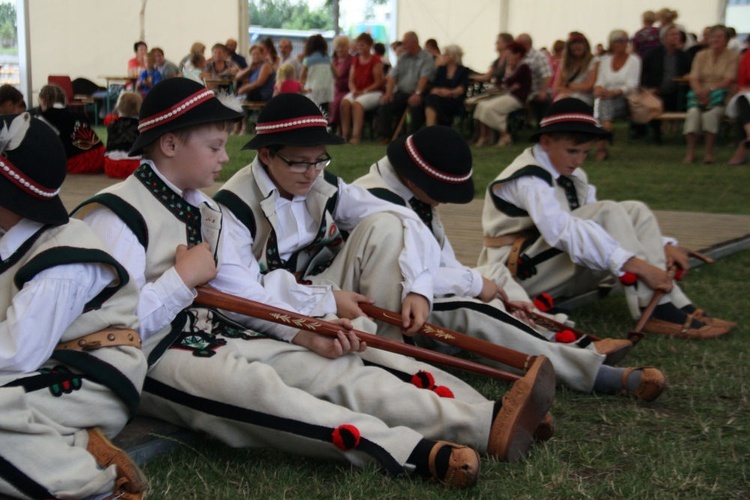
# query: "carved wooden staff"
[214,298]
[548,323]
[637,334]
[478,346]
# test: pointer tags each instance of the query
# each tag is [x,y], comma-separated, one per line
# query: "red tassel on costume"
[565,337]
[443,392]
[110,118]
[544,302]
[628,279]
[345,437]
[679,272]
[423,380]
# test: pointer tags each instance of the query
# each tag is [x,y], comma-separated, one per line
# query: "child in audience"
[122,131]
[83,148]
[71,367]
[285,82]
[149,76]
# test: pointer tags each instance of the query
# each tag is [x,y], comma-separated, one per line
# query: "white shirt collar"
[388,173]
[14,237]
[192,196]
[266,185]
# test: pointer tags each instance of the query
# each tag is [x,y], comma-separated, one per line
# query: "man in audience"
[541,77]
[405,86]
[232,51]
[660,68]
[285,51]
[168,69]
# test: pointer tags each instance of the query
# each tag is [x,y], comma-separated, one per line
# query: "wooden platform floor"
[695,230]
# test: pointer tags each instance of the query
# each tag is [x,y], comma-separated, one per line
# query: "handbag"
[644,106]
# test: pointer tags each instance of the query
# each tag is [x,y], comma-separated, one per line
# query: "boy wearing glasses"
[276,385]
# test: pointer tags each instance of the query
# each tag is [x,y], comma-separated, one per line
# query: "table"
[116,79]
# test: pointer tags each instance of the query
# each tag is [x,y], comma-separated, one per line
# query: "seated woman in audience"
[285,82]
[618,75]
[122,131]
[431,46]
[739,109]
[711,76]
[341,62]
[317,74]
[446,97]
[578,69]
[496,70]
[83,148]
[221,67]
[138,63]
[270,53]
[492,112]
[196,48]
[365,89]
[256,82]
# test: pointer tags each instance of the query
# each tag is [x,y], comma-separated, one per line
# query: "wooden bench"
[671,116]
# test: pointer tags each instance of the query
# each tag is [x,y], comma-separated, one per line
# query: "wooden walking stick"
[548,323]
[486,349]
[400,125]
[637,334]
[214,298]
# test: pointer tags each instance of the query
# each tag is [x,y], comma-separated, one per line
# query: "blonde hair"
[129,104]
[341,40]
[286,72]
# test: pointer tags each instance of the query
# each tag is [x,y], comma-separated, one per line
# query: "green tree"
[8,28]
[288,14]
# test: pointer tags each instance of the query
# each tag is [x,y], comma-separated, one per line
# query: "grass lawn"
[693,442]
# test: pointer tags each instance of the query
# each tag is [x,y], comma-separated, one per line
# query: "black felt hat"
[438,160]
[291,120]
[570,115]
[32,169]
[177,103]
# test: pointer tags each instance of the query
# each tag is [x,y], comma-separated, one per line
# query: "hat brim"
[572,128]
[317,136]
[47,211]
[211,111]
[439,191]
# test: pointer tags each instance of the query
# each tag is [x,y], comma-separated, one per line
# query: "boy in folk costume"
[71,367]
[275,386]
[433,166]
[542,218]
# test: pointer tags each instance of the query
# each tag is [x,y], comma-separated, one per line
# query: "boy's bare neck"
[8,219]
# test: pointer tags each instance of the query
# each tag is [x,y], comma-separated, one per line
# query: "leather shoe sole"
[523,408]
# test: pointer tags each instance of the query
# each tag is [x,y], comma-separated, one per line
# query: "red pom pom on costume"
[628,279]
[679,272]
[345,437]
[443,392]
[423,380]
[565,337]
[110,118]
[544,302]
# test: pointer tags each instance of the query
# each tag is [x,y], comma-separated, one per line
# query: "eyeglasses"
[300,167]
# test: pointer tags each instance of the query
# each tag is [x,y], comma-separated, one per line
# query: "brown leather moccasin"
[661,327]
[130,482]
[463,465]
[700,315]
[650,387]
[523,408]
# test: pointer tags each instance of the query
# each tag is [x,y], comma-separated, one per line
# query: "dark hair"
[10,93]
[158,50]
[52,94]
[431,42]
[364,38]
[220,46]
[316,43]
[270,47]
[138,44]
[379,49]
[578,138]
[516,48]
[505,37]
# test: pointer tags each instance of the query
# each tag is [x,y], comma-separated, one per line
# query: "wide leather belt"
[109,337]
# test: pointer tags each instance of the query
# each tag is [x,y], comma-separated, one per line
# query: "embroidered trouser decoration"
[202,330]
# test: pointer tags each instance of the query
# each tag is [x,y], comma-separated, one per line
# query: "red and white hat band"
[176,110]
[18,178]
[569,117]
[429,169]
[291,124]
